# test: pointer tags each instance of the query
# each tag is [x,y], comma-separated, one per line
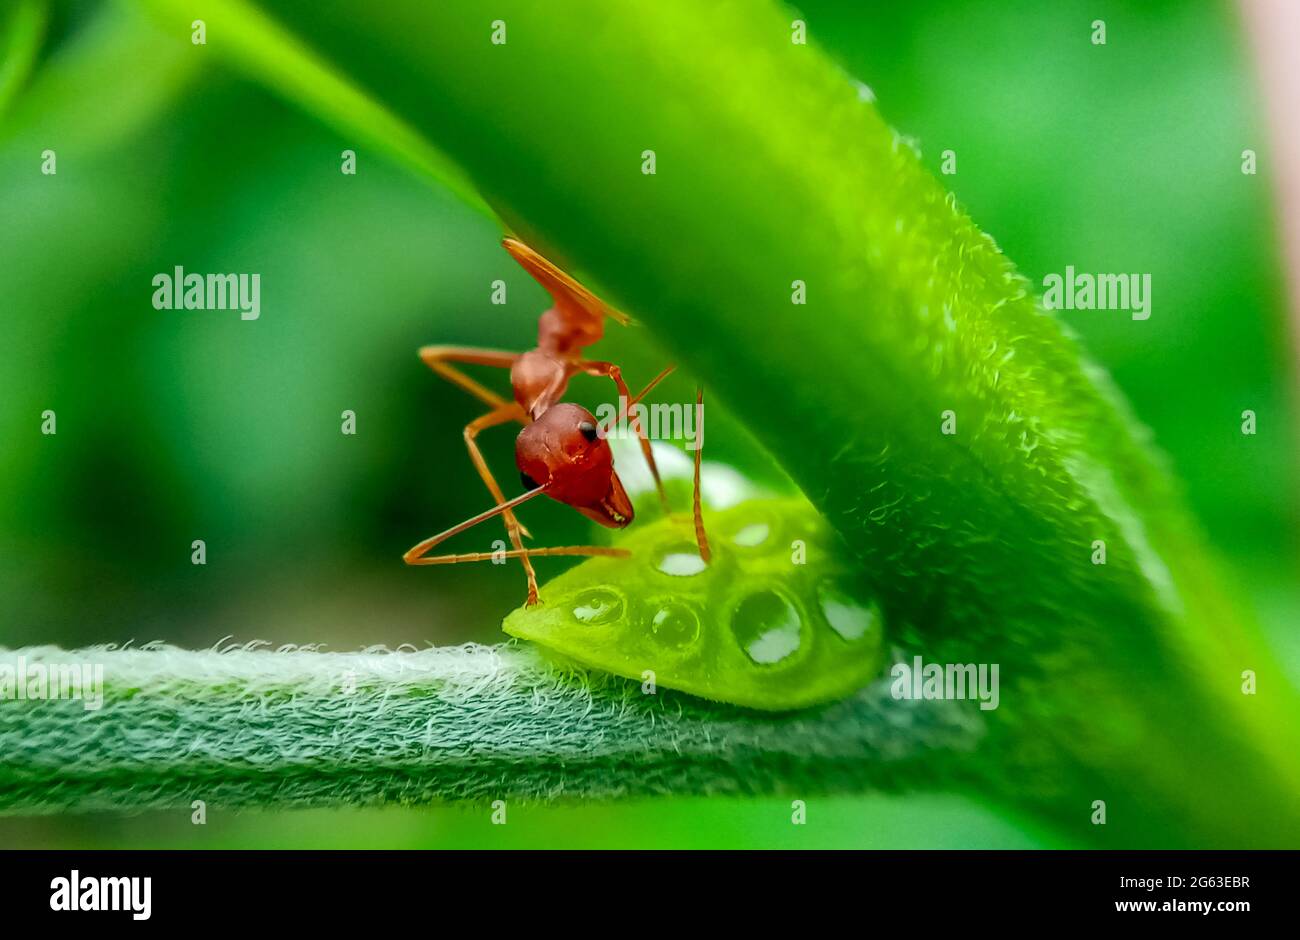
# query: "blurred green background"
[183,425]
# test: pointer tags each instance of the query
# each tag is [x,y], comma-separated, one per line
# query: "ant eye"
[528,482]
[588,430]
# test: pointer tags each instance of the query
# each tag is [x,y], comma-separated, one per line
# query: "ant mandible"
[561,451]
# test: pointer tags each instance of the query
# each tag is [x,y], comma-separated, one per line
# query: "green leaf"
[773,174]
[770,622]
[255,42]
[22,27]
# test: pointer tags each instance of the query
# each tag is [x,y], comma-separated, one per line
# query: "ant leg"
[567,292]
[701,537]
[649,386]
[438,357]
[586,550]
[417,555]
[510,411]
[625,402]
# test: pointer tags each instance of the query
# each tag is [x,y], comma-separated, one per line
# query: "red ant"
[560,451]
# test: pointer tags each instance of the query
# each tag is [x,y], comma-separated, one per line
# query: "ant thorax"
[539,378]
[565,331]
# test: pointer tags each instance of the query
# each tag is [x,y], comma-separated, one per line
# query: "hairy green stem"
[244,727]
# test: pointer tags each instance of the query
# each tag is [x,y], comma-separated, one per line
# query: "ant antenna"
[641,394]
[701,538]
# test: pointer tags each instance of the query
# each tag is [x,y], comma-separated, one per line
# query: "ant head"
[564,452]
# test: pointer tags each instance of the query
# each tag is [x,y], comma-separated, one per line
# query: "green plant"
[1123,678]
[21,28]
[771,623]
[242,726]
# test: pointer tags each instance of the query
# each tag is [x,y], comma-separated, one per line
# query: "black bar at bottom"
[443,889]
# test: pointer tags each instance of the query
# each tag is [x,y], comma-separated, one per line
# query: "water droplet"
[767,627]
[675,625]
[598,606]
[682,564]
[753,535]
[846,616]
